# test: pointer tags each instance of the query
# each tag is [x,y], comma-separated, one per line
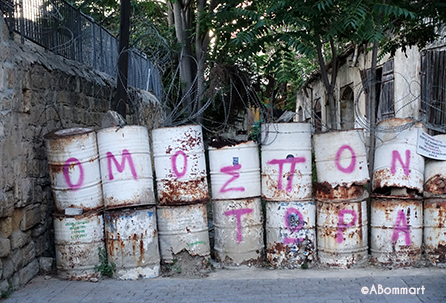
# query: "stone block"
[29,253]
[19,239]
[11,78]
[5,247]
[17,216]
[4,286]
[2,79]
[6,204]
[29,272]
[5,227]
[31,216]
[17,259]
[15,281]
[8,268]
[39,229]
[46,264]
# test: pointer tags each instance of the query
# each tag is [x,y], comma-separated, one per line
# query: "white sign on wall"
[428,146]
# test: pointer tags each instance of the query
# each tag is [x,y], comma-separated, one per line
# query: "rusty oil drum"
[434,230]
[180,165]
[435,175]
[397,163]
[183,227]
[238,226]
[235,171]
[78,240]
[73,161]
[291,234]
[341,164]
[342,234]
[126,166]
[132,242]
[396,230]
[286,161]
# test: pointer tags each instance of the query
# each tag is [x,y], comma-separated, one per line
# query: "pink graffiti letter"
[281,162]
[294,221]
[120,167]
[66,173]
[342,225]
[174,163]
[396,156]
[349,169]
[230,170]
[238,213]
[401,226]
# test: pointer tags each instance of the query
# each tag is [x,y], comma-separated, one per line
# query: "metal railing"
[58,26]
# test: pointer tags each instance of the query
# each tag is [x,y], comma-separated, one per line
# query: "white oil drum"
[396,231]
[74,169]
[341,164]
[238,227]
[434,230]
[286,161]
[78,241]
[342,232]
[397,163]
[183,227]
[435,174]
[180,165]
[235,171]
[126,166]
[291,234]
[132,242]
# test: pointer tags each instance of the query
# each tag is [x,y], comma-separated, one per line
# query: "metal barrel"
[397,163]
[183,227]
[180,165]
[74,169]
[132,242]
[341,164]
[235,171]
[238,227]
[435,175]
[286,162]
[434,230]
[396,230]
[291,234]
[342,231]
[78,240]
[126,166]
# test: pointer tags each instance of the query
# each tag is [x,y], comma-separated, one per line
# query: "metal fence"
[59,27]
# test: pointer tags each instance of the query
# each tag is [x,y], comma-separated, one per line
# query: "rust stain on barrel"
[324,190]
[435,185]
[174,188]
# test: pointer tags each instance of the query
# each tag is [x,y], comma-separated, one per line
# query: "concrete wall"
[41,92]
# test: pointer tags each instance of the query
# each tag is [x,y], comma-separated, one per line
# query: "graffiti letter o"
[174,164]
[66,173]
[349,169]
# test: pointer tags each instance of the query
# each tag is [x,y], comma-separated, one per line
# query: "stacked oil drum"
[237,206]
[287,190]
[182,188]
[76,184]
[342,175]
[435,209]
[129,202]
[397,206]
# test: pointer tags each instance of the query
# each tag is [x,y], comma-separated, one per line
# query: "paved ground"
[250,285]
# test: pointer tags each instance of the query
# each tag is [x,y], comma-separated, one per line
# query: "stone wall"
[41,92]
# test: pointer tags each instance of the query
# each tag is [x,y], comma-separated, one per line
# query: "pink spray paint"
[174,163]
[238,213]
[66,173]
[230,170]
[342,225]
[294,221]
[281,162]
[349,169]
[126,156]
[401,226]
[406,166]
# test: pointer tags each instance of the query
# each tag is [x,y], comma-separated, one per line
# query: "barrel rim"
[248,144]
[120,128]
[364,196]
[68,133]
[94,212]
[378,196]
[338,131]
[176,127]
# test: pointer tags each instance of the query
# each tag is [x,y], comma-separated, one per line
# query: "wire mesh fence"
[58,26]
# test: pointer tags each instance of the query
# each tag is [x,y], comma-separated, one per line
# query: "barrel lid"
[67,132]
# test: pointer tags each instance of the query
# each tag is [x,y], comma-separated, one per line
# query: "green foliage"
[104,267]
[8,292]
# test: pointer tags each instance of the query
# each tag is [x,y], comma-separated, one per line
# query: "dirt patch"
[186,266]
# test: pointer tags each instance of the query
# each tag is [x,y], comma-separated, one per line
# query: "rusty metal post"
[123,59]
